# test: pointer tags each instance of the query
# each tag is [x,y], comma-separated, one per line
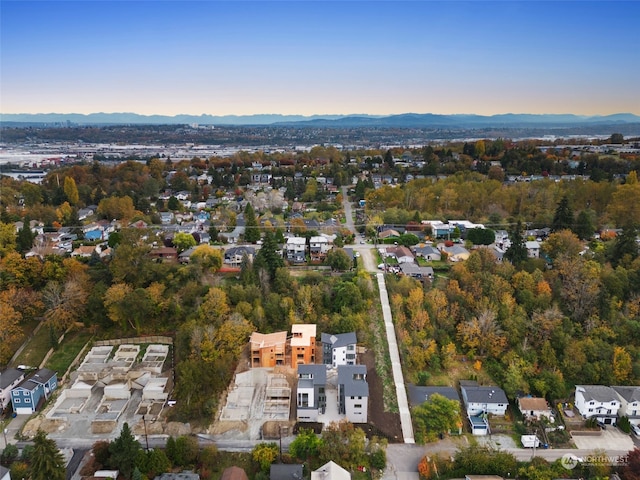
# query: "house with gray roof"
[353,392]
[428,252]
[5,473]
[629,403]
[31,392]
[419,394]
[284,471]
[416,271]
[234,255]
[339,349]
[311,396]
[597,401]
[483,399]
[9,379]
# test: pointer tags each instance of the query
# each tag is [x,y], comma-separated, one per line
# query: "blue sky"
[330,57]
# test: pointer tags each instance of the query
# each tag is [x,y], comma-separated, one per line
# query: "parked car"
[635,429]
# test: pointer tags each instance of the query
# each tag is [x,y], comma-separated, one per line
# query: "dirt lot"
[382,422]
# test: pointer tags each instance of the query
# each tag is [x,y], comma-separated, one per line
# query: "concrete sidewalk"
[398,378]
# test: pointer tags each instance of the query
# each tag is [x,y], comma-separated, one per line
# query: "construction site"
[111,386]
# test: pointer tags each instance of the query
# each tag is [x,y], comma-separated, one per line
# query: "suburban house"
[318,247]
[166,218]
[418,395]
[234,255]
[26,396]
[401,254]
[303,344]
[416,271]
[330,471]
[629,403]
[389,233]
[533,249]
[353,392]
[268,350]
[534,408]
[285,471]
[483,399]
[164,254]
[598,401]
[456,253]
[311,397]
[339,349]
[439,229]
[295,249]
[479,402]
[5,473]
[429,253]
[9,379]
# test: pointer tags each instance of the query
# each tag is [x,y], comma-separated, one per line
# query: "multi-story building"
[339,349]
[268,350]
[311,397]
[353,392]
[303,344]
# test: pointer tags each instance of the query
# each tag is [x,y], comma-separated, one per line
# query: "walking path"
[398,378]
[367,255]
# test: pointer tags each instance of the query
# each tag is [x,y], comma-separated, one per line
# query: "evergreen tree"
[124,452]
[563,217]
[360,190]
[625,250]
[268,257]
[24,240]
[251,232]
[47,463]
[584,228]
[517,252]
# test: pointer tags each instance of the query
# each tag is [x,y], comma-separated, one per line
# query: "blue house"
[31,392]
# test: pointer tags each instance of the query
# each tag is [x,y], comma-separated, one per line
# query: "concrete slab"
[609,439]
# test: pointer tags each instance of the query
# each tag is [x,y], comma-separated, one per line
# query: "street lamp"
[4,432]
[146,436]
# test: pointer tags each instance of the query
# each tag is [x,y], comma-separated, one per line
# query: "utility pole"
[146,436]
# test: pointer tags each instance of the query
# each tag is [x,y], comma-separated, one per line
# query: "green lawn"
[66,352]
[230,459]
[36,349]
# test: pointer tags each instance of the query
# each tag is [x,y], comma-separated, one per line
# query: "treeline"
[534,329]
[471,196]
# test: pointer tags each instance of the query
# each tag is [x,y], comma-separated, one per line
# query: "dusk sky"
[330,57]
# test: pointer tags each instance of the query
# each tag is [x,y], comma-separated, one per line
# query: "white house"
[598,401]
[330,471]
[533,249]
[311,397]
[629,397]
[353,392]
[534,408]
[295,249]
[483,399]
[479,402]
[319,246]
[339,349]
[9,379]
[5,473]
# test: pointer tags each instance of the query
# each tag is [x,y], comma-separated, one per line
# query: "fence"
[135,340]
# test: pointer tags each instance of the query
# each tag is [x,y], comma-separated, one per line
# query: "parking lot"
[609,439]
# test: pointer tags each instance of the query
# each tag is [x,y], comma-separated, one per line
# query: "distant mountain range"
[405,120]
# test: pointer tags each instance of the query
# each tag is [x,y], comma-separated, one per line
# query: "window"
[303,399]
[351,347]
[591,409]
[27,400]
[360,398]
[357,405]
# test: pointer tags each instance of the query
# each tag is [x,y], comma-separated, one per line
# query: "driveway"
[609,439]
